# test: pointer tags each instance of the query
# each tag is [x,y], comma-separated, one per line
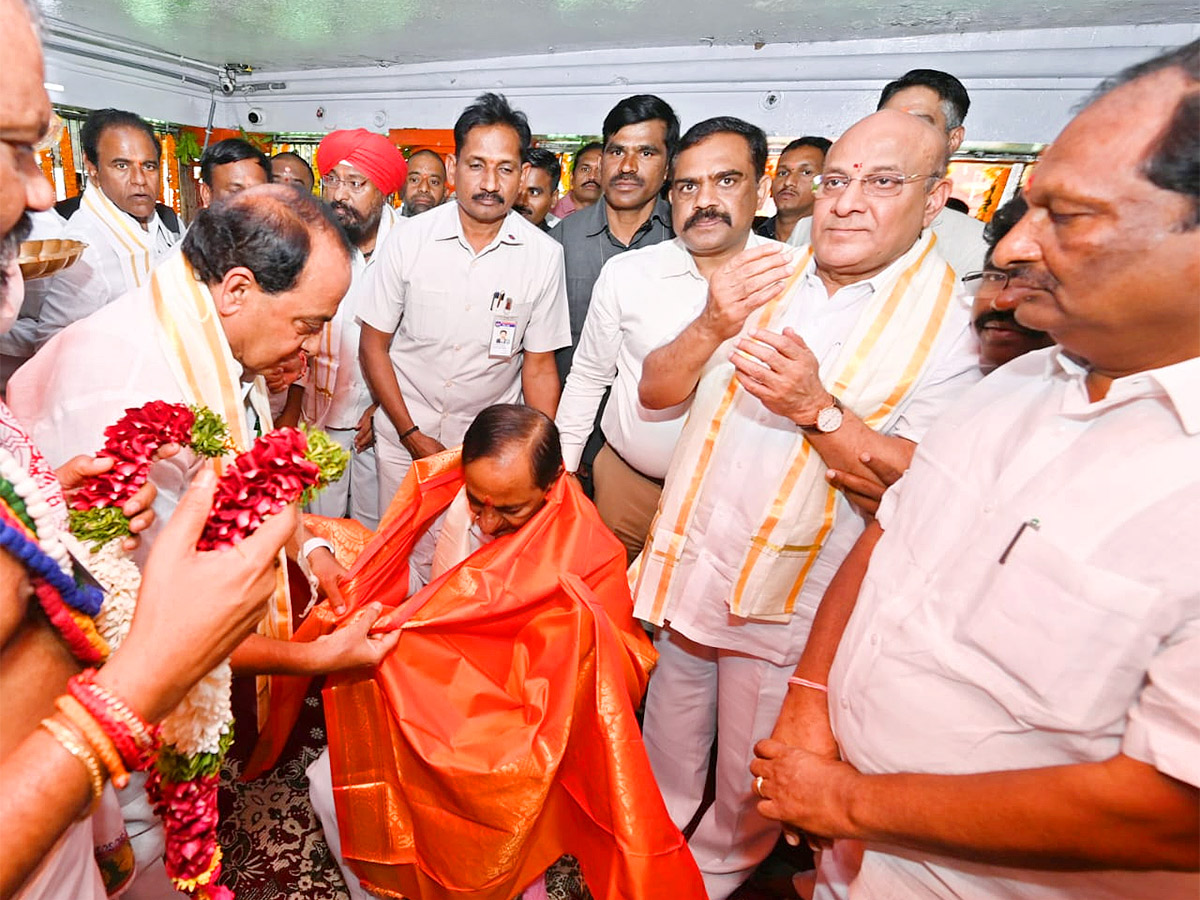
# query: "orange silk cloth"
[500,733]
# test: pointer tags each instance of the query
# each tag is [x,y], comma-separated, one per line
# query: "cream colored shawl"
[877,366]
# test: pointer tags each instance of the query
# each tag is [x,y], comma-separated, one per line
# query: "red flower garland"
[261,482]
[132,443]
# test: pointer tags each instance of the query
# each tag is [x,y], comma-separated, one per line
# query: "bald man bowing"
[793,367]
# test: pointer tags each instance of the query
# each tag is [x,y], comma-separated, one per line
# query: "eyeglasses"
[883,184]
[353,185]
[989,281]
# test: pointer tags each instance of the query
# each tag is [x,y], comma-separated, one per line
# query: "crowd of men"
[910,504]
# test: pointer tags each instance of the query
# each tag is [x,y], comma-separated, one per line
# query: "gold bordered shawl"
[135,241]
[205,369]
[877,366]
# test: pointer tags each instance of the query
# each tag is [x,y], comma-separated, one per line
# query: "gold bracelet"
[67,738]
[102,745]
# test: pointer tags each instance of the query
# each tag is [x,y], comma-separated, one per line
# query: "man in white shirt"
[941,100]
[642,299]
[360,170]
[446,292]
[116,218]
[1016,694]
[790,367]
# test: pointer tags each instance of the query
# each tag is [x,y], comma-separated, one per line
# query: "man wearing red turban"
[358,169]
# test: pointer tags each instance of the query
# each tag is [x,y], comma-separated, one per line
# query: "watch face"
[829,419]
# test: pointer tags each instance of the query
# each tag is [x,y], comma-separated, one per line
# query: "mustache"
[630,177]
[344,210]
[484,196]
[523,210]
[701,214]
[10,245]
[1030,278]
[1005,317]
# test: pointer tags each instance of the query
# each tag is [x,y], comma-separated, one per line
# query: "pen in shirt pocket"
[1035,524]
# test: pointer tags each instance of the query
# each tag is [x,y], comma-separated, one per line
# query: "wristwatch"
[828,420]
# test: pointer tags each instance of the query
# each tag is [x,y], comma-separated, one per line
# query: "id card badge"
[504,331]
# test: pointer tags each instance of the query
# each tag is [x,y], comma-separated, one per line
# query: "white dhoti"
[696,693]
[356,493]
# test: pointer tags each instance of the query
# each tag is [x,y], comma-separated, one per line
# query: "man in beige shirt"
[466,306]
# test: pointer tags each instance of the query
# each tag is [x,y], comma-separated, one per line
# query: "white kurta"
[103,273]
[642,300]
[1083,642]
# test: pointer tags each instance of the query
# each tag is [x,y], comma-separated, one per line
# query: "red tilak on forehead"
[858,165]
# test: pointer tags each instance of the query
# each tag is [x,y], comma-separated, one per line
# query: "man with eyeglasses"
[359,171]
[791,187]
[1001,337]
[1007,666]
[796,362]
[941,100]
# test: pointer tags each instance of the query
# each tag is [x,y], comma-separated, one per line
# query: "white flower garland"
[120,578]
[39,510]
[195,726]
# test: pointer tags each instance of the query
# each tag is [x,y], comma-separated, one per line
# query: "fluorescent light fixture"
[51,86]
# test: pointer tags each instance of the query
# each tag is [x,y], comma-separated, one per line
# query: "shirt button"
[874,639]
[449,384]
[845,703]
[989,508]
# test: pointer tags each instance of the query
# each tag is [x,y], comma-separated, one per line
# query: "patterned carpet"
[273,844]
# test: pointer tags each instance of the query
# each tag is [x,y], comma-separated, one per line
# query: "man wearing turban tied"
[358,169]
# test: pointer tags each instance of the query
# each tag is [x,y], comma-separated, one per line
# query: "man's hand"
[364,431]
[807,791]
[419,445]
[353,645]
[783,373]
[804,722]
[865,493]
[76,470]
[328,572]
[193,607]
[286,373]
[751,279]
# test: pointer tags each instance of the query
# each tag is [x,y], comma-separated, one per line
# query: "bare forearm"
[258,655]
[381,377]
[1116,814]
[670,373]
[843,449]
[43,788]
[539,382]
[290,417]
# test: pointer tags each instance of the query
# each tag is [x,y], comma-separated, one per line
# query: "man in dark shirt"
[640,134]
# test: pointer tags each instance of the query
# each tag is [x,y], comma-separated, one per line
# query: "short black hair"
[267,228]
[643,108]
[1173,164]
[231,150]
[753,135]
[541,158]
[955,99]
[1003,220]
[504,425]
[101,120]
[809,140]
[586,148]
[300,159]
[425,151]
[491,109]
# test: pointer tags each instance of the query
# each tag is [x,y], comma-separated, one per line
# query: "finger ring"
[758,783]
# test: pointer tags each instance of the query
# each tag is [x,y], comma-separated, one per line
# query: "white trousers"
[355,494]
[320,792]
[392,463]
[696,693]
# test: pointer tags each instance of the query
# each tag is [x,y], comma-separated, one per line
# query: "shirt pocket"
[1059,642]
[520,314]
[428,316]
